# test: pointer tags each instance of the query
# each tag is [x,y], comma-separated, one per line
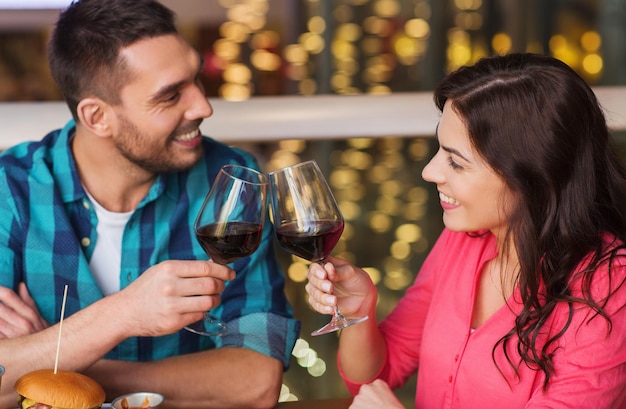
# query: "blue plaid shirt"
[48,234]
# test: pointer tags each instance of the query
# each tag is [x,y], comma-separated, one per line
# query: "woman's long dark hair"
[540,127]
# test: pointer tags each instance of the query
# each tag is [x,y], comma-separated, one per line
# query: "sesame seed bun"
[65,389]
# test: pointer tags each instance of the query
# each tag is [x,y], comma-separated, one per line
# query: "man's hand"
[18,313]
[171,295]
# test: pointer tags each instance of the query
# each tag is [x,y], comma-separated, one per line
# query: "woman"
[521,301]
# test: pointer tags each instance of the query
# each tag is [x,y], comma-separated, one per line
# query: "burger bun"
[63,389]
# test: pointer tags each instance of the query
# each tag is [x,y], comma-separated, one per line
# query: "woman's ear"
[94,114]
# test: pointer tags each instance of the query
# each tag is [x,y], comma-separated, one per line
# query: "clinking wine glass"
[307,221]
[230,224]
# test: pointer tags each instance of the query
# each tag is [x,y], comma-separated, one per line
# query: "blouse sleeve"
[403,327]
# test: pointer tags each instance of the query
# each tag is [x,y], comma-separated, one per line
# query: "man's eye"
[172,98]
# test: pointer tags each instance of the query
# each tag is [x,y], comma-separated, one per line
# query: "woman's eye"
[453,164]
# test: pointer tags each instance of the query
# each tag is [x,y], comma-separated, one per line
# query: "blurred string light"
[463,48]
[286,395]
[466,44]
[368,40]
[308,358]
[246,20]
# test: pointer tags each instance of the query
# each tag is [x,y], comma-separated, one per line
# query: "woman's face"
[472,195]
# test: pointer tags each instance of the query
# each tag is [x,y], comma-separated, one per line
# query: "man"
[106,206]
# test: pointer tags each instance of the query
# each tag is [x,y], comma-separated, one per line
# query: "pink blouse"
[429,332]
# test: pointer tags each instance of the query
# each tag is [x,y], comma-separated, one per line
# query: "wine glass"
[230,224]
[307,221]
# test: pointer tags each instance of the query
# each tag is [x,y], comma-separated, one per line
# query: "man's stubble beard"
[132,141]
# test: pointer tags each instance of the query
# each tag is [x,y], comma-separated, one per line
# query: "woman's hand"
[376,395]
[340,283]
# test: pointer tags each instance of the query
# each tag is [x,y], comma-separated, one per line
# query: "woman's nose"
[431,173]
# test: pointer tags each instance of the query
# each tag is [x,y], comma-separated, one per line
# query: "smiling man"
[106,206]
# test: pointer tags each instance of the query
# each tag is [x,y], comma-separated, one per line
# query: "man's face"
[162,105]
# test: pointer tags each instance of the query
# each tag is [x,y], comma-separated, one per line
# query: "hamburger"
[44,389]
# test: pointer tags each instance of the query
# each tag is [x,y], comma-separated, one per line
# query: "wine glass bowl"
[229,224]
[307,221]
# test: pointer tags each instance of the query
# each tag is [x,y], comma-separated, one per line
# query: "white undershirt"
[105,263]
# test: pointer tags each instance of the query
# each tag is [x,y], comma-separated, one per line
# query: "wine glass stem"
[338,313]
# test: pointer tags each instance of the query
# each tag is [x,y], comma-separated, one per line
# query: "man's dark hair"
[84,47]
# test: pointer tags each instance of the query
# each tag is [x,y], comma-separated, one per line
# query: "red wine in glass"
[311,240]
[229,224]
[307,221]
[227,242]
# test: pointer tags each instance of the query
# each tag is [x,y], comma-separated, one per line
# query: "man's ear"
[95,115]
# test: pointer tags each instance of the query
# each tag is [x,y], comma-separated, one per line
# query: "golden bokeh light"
[297,272]
[235,92]
[387,8]
[316,25]
[409,232]
[501,43]
[380,222]
[360,143]
[391,188]
[417,194]
[265,61]
[400,250]
[265,39]
[417,28]
[592,64]
[591,41]
[374,274]
[398,279]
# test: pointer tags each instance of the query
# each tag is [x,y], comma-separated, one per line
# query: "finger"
[323,296]
[200,286]
[13,324]
[331,271]
[22,291]
[316,271]
[196,268]
[380,385]
[318,277]
[6,329]
[24,294]
[321,302]
[196,304]
[19,313]
[338,270]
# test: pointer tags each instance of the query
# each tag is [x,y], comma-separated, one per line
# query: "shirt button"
[450,379]
[86,204]
[456,358]
[129,277]
[85,242]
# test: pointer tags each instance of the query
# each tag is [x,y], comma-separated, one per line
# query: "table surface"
[339,403]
